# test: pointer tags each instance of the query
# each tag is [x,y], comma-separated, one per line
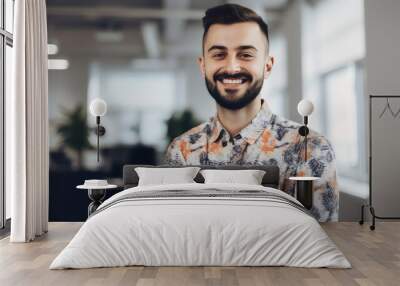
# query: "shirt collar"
[251,132]
[217,130]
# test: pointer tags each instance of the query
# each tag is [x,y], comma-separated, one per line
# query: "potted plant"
[74,132]
[179,123]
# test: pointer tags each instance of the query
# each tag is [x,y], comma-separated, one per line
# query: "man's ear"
[200,61]
[268,66]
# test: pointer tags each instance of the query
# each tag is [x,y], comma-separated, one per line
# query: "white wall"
[383,78]
[382,46]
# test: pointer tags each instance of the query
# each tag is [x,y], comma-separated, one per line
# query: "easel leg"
[371,209]
[361,222]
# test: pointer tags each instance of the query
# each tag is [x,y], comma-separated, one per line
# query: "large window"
[342,91]
[6,43]
[333,79]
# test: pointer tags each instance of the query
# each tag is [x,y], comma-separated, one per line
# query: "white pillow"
[163,176]
[249,177]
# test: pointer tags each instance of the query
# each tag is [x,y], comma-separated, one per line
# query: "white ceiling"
[138,29]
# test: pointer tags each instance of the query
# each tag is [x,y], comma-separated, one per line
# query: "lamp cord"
[98,142]
[305,148]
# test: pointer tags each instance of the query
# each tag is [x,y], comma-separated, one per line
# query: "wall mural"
[190,92]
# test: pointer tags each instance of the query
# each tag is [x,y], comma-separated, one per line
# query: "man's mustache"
[224,75]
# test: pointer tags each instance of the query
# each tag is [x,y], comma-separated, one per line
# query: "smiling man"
[235,63]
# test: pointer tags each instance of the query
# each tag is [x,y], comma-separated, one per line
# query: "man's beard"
[234,104]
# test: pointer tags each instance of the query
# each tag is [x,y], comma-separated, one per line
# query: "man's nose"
[232,65]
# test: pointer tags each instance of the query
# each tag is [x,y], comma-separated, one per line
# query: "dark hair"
[231,14]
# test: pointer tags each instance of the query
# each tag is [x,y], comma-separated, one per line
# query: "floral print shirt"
[268,140]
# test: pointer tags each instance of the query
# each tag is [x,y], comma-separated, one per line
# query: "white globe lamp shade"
[98,107]
[305,107]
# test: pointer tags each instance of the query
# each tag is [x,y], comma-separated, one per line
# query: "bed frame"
[270,179]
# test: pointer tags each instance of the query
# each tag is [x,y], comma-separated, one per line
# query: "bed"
[201,224]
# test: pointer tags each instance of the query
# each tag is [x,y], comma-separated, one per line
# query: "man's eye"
[218,55]
[246,56]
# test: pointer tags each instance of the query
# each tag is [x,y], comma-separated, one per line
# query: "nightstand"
[304,190]
[96,193]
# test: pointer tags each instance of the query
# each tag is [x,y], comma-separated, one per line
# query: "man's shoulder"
[293,127]
[194,135]
[284,122]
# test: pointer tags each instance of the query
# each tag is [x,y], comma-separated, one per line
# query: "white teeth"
[232,81]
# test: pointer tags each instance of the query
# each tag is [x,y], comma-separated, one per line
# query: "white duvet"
[200,231]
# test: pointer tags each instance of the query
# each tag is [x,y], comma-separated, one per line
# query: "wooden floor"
[375,257]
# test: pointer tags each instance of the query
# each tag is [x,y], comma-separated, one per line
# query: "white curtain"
[27,123]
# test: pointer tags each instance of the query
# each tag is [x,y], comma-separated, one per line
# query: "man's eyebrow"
[246,47]
[216,47]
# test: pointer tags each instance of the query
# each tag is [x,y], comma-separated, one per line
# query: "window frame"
[6,39]
[360,171]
